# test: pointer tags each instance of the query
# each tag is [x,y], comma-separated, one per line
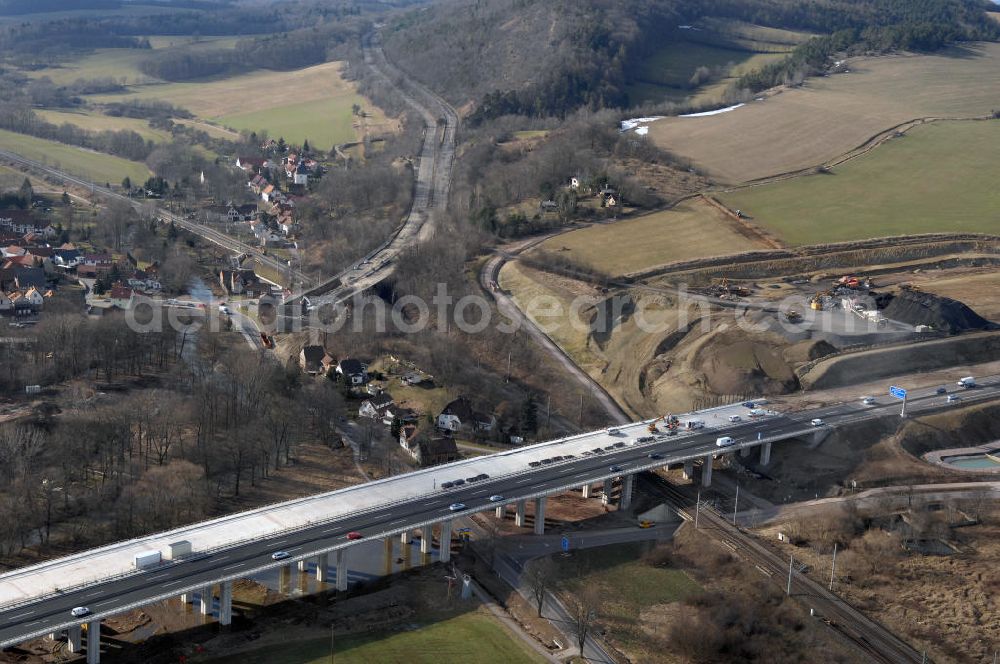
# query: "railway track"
[867,635]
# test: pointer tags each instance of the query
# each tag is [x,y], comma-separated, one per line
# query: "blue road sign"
[565,543]
[897,392]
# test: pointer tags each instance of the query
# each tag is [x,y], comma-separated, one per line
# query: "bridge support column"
[540,515]
[706,471]
[745,452]
[444,546]
[303,565]
[404,537]
[322,562]
[628,483]
[501,512]
[765,454]
[205,601]
[387,555]
[341,570]
[74,638]
[94,642]
[606,494]
[226,603]
[519,514]
[426,536]
[688,469]
[585,491]
[185,598]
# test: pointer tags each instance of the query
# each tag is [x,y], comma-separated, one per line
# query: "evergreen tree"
[26,193]
[396,428]
[529,415]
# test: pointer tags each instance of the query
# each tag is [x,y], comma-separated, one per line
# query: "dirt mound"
[977,424]
[808,350]
[747,366]
[939,313]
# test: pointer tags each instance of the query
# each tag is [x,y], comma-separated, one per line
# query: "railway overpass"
[37,600]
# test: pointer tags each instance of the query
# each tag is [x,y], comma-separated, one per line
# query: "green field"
[470,637]
[735,47]
[94,166]
[939,177]
[324,122]
[693,229]
[96,122]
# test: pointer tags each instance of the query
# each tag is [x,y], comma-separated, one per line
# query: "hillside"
[550,57]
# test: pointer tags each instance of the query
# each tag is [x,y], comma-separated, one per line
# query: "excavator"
[671,421]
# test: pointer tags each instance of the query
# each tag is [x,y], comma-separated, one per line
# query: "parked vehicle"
[146,559]
[694,424]
[447,485]
[735,418]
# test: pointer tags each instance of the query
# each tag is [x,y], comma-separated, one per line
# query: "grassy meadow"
[97,122]
[95,166]
[830,116]
[313,103]
[468,637]
[692,229]
[938,177]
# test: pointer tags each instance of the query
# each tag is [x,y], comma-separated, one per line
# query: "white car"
[611,431]
[456,507]
[496,499]
[80,611]
[725,441]
[816,422]
[280,555]
[868,401]
[953,397]
[735,418]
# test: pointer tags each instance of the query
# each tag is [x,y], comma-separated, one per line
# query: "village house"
[376,406]
[427,451]
[397,412]
[459,415]
[311,359]
[23,222]
[251,164]
[243,282]
[353,371]
[66,258]
[121,296]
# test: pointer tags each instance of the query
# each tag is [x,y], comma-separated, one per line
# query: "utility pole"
[580,418]
[902,413]
[736,503]
[548,410]
[697,510]
[788,588]
[507,379]
[833,568]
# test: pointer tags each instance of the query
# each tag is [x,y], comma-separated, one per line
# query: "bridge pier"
[322,562]
[303,565]
[688,472]
[606,493]
[501,512]
[444,546]
[94,642]
[540,515]
[387,555]
[426,538]
[404,537]
[226,603]
[206,601]
[706,471]
[342,570]
[519,514]
[185,598]
[744,451]
[585,490]
[74,638]
[628,483]
[765,454]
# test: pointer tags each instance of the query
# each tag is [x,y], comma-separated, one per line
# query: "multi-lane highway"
[394,512]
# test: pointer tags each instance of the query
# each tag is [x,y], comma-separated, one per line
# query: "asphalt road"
[51,613]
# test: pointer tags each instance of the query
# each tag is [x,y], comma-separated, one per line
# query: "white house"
[376,406]
[459,415]
[353,371]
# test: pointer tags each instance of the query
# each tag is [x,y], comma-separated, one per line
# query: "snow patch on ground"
[717,111]
[637,123]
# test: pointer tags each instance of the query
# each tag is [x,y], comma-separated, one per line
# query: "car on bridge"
[724,441]
[354,535]
[868,401]
[942,390]
[496,499]
[80,611]
[456,507]
[953,398]
[654,455]
[817,422]
[615,469]
[280,555]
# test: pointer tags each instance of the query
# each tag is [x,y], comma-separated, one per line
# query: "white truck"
[146,559]
[177,550]
[694,424]
[967,382]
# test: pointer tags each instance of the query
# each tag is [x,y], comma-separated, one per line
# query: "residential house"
[414,378]
[42,255]
[311,359]
[13,251]
[121,296]
[301,175]
[144,281]
[376,406]
[329,363]
[66,258]
[6,306]
[459,415]
[575,182]
[427,451]
[22,222]
[242,282]
[353,371]
[397,412]
[609,197]
[251,164]
[30,277]
[101,263]
[34,298]
[257,184]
